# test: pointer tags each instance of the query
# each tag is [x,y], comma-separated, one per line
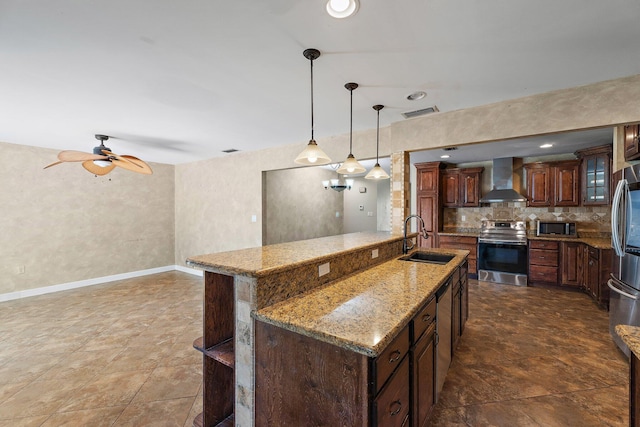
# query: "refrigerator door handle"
[616,221]
[611,283]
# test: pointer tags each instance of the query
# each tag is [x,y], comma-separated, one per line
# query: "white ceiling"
[177,81]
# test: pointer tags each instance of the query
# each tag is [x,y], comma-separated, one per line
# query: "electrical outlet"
[464,218]
[369,213]
[323,269]
[374,253]
[21,269]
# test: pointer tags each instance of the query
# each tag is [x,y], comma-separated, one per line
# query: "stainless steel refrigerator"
[624,303]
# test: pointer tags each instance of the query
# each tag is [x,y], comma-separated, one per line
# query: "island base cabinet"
[424,377]
[301,381]
[634,391]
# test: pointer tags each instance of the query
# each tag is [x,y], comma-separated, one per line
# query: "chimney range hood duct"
[503,183]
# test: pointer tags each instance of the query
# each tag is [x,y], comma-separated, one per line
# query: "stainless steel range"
[502,252]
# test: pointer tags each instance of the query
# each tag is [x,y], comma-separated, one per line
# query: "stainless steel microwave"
[556,229]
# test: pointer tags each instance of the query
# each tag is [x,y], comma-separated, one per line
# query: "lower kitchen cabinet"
[571,256]
[571,264]
[596,274]
[543,262]
[424,357]
[468,243]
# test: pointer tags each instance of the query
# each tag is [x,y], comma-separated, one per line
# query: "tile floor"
[534,357]
[120,354]
[117,354]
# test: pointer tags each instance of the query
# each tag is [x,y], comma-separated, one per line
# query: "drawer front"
[423,319]
[540,273]
[543,257]
[392,405]
[543,244]
[391,357]
[473,266]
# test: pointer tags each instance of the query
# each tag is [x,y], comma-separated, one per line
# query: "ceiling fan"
[103,160]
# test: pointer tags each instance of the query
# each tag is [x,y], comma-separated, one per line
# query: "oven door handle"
[612,285]
[503,242]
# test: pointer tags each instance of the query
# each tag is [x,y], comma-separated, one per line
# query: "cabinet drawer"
[543,257]
[392,405]
[543,244]
[473,266]
[541,273]
[423,319]
[391,357]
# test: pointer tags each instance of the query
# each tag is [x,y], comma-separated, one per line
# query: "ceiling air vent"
[230,150]
[421,112]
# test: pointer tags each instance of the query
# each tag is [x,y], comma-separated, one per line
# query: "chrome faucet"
[405,243]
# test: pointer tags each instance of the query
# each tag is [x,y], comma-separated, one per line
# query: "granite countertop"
[596,242]
[631,337]
[365,311]
[264,260]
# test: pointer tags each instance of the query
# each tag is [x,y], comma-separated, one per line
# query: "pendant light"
[312,155]
[377,172]
[351,165]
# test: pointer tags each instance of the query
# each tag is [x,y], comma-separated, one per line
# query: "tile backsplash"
[589,220]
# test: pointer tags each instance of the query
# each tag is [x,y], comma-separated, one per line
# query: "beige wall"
[297,207]
[63,224]
[215,198]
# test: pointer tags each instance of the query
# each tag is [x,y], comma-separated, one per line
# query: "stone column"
[400,190]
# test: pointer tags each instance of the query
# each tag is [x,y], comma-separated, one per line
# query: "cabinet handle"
[404,422]
[394,356]
[398,406]
[426,317]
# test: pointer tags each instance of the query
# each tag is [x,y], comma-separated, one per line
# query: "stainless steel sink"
[428,257]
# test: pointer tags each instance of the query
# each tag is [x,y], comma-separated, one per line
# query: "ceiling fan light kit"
[103,160]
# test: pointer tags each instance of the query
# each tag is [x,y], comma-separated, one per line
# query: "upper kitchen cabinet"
[632,142]
[461,187]
[553,184]
[596,175]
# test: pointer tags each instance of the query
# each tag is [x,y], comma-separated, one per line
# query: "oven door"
[502,257]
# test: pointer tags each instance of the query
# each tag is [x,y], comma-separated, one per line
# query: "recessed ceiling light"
[445,156]
[546,146]
[416,95]
[342,8]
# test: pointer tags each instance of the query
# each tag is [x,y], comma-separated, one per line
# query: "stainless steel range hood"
[506,184]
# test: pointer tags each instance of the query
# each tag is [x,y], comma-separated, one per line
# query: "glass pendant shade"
[351,166]
[377,173]
[312,155]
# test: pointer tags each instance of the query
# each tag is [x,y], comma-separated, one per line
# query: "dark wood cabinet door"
[566,184]
[455,315]
[593,274]
[595,175]
[631,142]
[424,378]
[469,189]
[571,263]
[428,209]
[450,189]
[392,404]
[539,185]
[428,178]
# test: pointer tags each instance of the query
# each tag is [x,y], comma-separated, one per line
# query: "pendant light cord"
[351,125]
[312,99]
[377,136]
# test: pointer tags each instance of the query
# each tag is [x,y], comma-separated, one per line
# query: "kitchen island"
[349,293]
[631,337]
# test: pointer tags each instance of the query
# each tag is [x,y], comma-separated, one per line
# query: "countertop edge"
[233,270]
[630,336]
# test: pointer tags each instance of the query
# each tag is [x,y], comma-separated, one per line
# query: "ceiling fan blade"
[132,165]
[78,156]
[146,169]
[52,164]
[95,169]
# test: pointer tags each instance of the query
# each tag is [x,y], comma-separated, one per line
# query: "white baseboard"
[95,281]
